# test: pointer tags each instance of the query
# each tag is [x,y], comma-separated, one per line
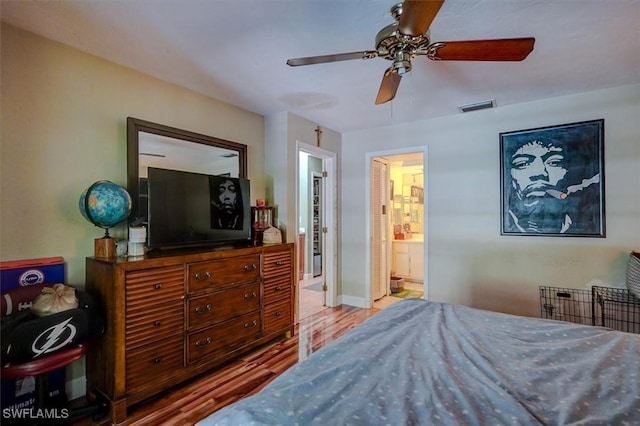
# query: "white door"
[379,228]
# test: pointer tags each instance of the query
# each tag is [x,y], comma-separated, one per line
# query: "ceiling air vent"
[478,106]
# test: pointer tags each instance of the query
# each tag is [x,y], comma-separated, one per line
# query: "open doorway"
[397,227]
[317,232]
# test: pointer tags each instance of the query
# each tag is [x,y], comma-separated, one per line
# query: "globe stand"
[106,246]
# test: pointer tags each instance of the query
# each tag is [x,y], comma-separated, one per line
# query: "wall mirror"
[156,145]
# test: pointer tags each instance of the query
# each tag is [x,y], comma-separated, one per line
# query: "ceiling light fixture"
[477,106]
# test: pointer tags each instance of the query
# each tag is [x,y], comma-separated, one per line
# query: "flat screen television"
[190,209]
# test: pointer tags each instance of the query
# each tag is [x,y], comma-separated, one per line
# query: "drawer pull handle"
[279,263]
[200,311]
[157,360]
[205,343]
[251,324]
[203,277]
[251,295]
[157,323]
[279,313]
[157,286]
[251,267]
[278,288]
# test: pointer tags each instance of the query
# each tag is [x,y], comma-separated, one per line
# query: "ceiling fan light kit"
[401,63]
[408,37]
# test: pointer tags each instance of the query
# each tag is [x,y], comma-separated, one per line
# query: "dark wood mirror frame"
[135,126]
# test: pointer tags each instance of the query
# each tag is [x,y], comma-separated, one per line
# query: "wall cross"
[318,133]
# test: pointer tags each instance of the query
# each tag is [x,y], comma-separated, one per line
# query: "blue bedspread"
[425,363]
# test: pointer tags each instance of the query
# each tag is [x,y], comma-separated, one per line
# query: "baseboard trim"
[358,302]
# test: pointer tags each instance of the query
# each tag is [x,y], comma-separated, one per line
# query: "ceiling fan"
[408,37]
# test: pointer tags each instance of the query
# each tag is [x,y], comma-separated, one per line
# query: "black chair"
[36,346]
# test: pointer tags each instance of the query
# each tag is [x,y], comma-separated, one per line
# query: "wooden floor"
[311,297]
[193,401]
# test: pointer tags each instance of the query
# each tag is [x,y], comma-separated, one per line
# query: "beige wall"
[64,127]
[469,262]
[283,131]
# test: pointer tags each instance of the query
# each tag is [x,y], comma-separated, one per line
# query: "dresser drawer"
[149,364]
[208,275]
[277,316]
[224,338]
[278,263]
[154,323]
[153,286]
[223,305]
[277,288]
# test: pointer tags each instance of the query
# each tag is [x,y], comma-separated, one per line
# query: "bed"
[424,363]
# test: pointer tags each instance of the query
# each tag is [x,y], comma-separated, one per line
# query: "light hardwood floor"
[310,297]
[311,301]
[391,299]
[189,403]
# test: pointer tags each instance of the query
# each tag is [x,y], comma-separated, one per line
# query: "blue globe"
[105,204]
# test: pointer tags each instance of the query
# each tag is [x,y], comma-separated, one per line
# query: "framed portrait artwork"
[552,180]
[417,194]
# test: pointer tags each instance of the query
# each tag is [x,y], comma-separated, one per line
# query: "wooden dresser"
[172,316]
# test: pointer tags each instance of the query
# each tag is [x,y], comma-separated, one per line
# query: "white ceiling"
[235,51]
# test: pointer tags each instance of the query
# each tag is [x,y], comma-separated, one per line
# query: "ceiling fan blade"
[417,16]
[367,54]
[508,49]
[388,87]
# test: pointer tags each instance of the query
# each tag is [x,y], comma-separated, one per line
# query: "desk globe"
[105,204]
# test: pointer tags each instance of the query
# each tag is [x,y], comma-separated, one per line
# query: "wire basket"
[566,304]
[633,273]
[616,308]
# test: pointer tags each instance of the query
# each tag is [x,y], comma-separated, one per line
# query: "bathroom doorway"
[398,226]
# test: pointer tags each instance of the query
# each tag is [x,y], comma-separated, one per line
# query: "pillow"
[633,273]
